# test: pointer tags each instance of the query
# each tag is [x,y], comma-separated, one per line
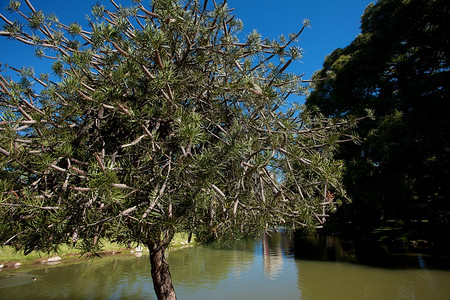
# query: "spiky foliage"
[161,121]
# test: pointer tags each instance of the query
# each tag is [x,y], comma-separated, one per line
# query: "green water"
[265,269]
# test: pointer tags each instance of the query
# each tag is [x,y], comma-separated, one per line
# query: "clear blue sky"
[334,24]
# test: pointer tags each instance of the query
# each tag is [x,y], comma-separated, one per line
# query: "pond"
[270,268]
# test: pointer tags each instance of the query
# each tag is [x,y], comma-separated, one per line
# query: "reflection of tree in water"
[108,275]
[200,267]
[272,255]
[374,273]
[127,276]
[111,277]
[324,247]
[319,280]
[275,245]
[205,266]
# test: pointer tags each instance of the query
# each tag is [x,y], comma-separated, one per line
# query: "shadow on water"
[273,267]
[324,247]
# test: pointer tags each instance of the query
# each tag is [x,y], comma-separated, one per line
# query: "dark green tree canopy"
[399,67]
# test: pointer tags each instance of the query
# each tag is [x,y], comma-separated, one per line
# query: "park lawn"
[8,255]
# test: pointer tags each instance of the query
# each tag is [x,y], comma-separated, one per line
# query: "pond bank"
[9,258]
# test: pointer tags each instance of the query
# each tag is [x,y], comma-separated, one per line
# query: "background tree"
[399,67]
[158,120]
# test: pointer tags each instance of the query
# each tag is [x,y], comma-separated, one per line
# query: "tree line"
[398,67]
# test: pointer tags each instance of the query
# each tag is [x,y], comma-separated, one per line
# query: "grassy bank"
[9,257]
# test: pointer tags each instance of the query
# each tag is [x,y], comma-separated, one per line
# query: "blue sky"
[334,24]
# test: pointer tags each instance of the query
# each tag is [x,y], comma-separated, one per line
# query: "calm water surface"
[265,269]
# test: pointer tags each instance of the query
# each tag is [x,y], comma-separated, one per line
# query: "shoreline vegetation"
[396,238]
[9,258]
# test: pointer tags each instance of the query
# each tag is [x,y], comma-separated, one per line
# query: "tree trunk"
[162,280]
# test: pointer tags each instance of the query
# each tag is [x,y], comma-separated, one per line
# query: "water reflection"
[205,267]
[325,280]
[276,248]
[366,252]
[263,269]
[273,258]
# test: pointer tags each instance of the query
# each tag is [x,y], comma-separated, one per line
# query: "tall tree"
[160,120]
[399,67]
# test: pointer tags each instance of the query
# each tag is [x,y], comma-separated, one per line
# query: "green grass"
[181,240]
[8,255]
